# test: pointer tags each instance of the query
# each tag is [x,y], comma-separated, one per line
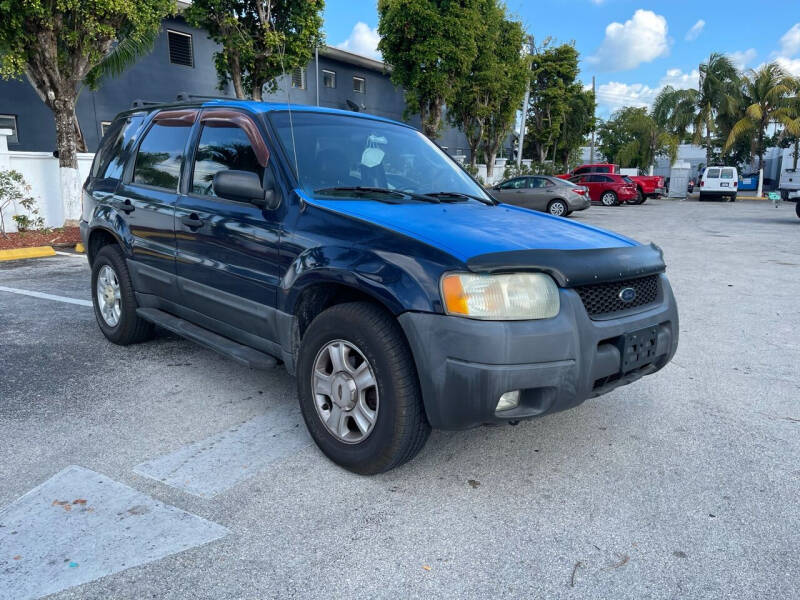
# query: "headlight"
[505,297]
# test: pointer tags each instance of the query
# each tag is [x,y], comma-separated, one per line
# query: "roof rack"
[139,103]
[186,97]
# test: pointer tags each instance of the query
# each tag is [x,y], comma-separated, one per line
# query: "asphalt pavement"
[163,470]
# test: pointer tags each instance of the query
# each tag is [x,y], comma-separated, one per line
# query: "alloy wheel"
[345,391]
[108,296]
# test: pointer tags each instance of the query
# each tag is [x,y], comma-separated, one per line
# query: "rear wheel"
[797,208]
[701,198]
[114,301]
[558,208]
[640,197]
[359,391]
[733,198]
[609,198]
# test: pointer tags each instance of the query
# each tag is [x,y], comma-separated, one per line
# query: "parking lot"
[166,471]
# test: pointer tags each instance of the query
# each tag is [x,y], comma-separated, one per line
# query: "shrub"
[15,191]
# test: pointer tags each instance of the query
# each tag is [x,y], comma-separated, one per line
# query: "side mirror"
[245,186]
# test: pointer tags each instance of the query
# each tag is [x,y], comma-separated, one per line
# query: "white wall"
[40,170]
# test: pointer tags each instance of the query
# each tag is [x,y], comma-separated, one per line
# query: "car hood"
[468,229]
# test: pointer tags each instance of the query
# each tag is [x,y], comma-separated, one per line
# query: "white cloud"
[614,94]
[642,38]
[363,40]
[742,58]
[790,65]
[790,41]
[695,30]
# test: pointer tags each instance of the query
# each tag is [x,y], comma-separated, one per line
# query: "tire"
[640,197]
[733,198]
[785,195]
[128,328]
[400,427]
[609,198]
[701,198]
[558,208]
[797,207]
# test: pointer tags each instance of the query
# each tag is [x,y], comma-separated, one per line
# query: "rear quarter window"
[109,161]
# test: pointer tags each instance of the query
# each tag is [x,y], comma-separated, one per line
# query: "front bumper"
[465,365]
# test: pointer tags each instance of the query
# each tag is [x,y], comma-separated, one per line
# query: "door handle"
[123,205]
[192,221]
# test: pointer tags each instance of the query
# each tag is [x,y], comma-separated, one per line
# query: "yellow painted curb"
[79,247]
[20,253]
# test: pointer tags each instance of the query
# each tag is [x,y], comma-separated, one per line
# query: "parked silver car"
[544,193]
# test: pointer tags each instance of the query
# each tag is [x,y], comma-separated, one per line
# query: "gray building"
[182,61]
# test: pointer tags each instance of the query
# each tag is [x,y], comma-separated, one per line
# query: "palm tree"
[675,109]
[648,140]
[766,94]
[718,94]
[791,127]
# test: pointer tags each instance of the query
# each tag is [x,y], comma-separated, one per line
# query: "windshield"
[339,151]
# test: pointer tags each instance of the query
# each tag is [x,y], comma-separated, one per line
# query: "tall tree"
[507,89]
[675,110]
[553,73]
[718,95]
[647,141]
[431,46]
[578,122]
[58,44]
[260,39]
[766,95]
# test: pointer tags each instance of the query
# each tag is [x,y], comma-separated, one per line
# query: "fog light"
[508,401]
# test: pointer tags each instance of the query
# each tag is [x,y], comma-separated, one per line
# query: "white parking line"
[45,296]
[79,526]
[217,463]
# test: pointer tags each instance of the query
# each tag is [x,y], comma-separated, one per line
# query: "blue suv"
[353,250]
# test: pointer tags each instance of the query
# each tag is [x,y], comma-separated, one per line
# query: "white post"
[760,182]
[5,157]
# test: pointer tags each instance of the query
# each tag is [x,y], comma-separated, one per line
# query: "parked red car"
[609,189]
[647,186]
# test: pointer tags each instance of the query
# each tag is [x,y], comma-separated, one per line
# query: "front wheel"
[359,390]
[609,199]
[558,208]
[114,301]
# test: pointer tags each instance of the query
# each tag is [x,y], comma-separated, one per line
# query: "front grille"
[603,298]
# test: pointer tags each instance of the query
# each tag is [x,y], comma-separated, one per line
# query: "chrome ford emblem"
[627,294]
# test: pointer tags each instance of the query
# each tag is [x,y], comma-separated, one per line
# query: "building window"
[180,48]
[104,125]
[299,78]
[328,78]
[10,122]
[359,85]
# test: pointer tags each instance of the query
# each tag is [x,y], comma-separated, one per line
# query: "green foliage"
[512,170]
[15,191]
[766,97]
[633,138]
[58,44]
[431,46]
[554,88]
[260,39]
[577,123]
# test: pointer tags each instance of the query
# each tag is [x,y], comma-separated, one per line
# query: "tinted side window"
[221,149]
[109,162]
[512,184]
[582,171]
[158,162]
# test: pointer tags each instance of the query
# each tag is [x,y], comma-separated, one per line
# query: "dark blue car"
[352,249]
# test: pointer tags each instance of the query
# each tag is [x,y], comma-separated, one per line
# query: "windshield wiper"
[486,201]
[377,190]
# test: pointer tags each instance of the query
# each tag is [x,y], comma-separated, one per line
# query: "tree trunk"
[67,142]
[257,92]
[431,117]
[236,75]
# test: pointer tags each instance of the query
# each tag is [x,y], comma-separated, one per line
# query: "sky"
[633,48]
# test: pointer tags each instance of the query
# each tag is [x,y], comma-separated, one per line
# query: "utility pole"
[594,105]
[521,137]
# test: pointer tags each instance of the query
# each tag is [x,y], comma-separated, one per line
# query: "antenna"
[289,106]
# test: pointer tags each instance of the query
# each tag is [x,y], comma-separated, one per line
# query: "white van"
[719,182]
